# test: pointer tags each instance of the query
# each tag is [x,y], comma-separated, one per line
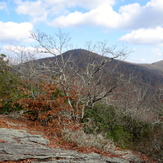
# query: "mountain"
[147,74]
[156,66]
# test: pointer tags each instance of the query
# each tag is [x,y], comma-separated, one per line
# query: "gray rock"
[21,136]
[19,145]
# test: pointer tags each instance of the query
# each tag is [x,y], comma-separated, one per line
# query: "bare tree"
[92,82]
[22,60]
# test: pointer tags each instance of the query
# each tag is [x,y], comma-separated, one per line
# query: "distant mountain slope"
[147,74]
[143,74]
[156,66]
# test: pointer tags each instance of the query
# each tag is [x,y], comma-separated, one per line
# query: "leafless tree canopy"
[94,79]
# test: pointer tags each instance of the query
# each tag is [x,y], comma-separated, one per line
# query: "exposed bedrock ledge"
[21,145]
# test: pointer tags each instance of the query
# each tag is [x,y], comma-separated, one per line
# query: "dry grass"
[88,140]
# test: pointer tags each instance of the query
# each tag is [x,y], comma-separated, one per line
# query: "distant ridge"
[156,65]
[145,73]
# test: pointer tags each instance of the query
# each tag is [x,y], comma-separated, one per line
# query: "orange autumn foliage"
[51,106]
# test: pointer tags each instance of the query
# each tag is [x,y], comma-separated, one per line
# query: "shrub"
[122,129]
[8,106]
[46,102]
[9,83]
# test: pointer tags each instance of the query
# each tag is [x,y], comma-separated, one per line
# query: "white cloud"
[131,16]
[43,8]
[19,54]
[158,4]
[142,60]
[65,13]
[157,51]
[30,8]
[128,14]
[87,4]
[145,36]
[101,16]
[75,18]
[3,6]
[145,21]
[11,31]
[36,9]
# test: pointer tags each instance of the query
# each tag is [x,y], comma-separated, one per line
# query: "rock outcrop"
[18,145]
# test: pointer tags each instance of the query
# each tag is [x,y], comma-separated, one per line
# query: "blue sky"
[136,24]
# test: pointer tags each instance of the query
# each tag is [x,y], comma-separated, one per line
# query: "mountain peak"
[79,52]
